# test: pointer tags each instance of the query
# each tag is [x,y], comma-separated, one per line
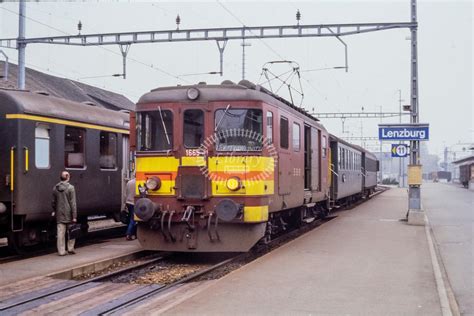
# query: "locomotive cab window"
[239,129]
[296,137]
[193,131]
[42,141]
[155,130]
[284,132]
[269,127]
[74,147]
[108,150]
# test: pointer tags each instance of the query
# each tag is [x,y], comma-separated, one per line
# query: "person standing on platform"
[64,206]
[130,203]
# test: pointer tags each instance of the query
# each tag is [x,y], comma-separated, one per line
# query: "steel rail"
[155,291]
[72,286]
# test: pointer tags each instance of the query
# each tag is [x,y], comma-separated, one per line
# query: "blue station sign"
[404,132]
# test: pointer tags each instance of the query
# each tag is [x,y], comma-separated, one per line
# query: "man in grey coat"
[64,206]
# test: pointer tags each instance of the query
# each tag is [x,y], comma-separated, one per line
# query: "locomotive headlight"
[233,183]
[153,183]
[192,93]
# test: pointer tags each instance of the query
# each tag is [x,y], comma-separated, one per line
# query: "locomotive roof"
[226,91]
[26,102]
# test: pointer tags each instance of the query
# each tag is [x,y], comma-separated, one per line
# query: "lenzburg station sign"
[404,132]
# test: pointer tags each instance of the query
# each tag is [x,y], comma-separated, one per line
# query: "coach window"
[193,128]
[296,137]
[284,132]
[155,130]
[269,127]
[42,147]
[108,150]
[74,147]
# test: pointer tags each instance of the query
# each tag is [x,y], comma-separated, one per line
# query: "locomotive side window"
[296,137]
[155,130]
[269,127]
[108,150]
[74,147]
[42,147]
[324,147]
[239,129]
[193,128]
[284,132]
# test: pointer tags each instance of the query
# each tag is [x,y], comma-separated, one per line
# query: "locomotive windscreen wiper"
[164,126]
[220,121]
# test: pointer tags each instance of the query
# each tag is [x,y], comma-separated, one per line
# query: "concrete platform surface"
[52,263]
[450,209]
[365,262]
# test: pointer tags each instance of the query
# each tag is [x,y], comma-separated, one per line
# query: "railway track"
[121,292]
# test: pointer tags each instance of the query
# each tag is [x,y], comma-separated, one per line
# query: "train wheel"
[84,225]
[15,243]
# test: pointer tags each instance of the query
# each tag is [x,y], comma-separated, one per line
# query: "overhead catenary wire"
[270,48]
[103,48]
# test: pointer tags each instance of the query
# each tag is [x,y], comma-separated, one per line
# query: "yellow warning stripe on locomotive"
[255,214]
[157,164]
[241,163]
[256,173]
[165,168]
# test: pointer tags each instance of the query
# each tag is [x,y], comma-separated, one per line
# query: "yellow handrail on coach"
[26,158]
[12,168]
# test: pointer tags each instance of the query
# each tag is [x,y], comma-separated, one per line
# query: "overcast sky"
[379,62]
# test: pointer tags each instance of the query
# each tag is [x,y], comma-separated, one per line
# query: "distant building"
[65,88]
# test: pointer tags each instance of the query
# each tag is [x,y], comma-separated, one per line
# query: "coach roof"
[26,102]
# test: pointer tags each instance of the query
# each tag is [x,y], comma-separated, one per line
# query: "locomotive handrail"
[362,170]
[332,170]
[26,158]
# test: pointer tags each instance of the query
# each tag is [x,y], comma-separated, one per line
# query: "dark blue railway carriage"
[42,135]
[353,171]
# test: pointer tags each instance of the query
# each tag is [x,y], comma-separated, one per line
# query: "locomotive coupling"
[227,210]
[145,209]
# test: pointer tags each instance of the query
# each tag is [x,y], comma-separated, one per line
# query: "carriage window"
[108,150]
[74,147]
[42,147]
[284,132]
[269,127]
[193,128]
[239,129]
[155,130]
[339,152]
[343,158]
[296,137]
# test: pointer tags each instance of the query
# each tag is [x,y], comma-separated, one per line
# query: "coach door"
[308,154]
[315,159]
[126,164]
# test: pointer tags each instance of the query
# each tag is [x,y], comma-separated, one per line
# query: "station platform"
[87,258]
[365,262]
